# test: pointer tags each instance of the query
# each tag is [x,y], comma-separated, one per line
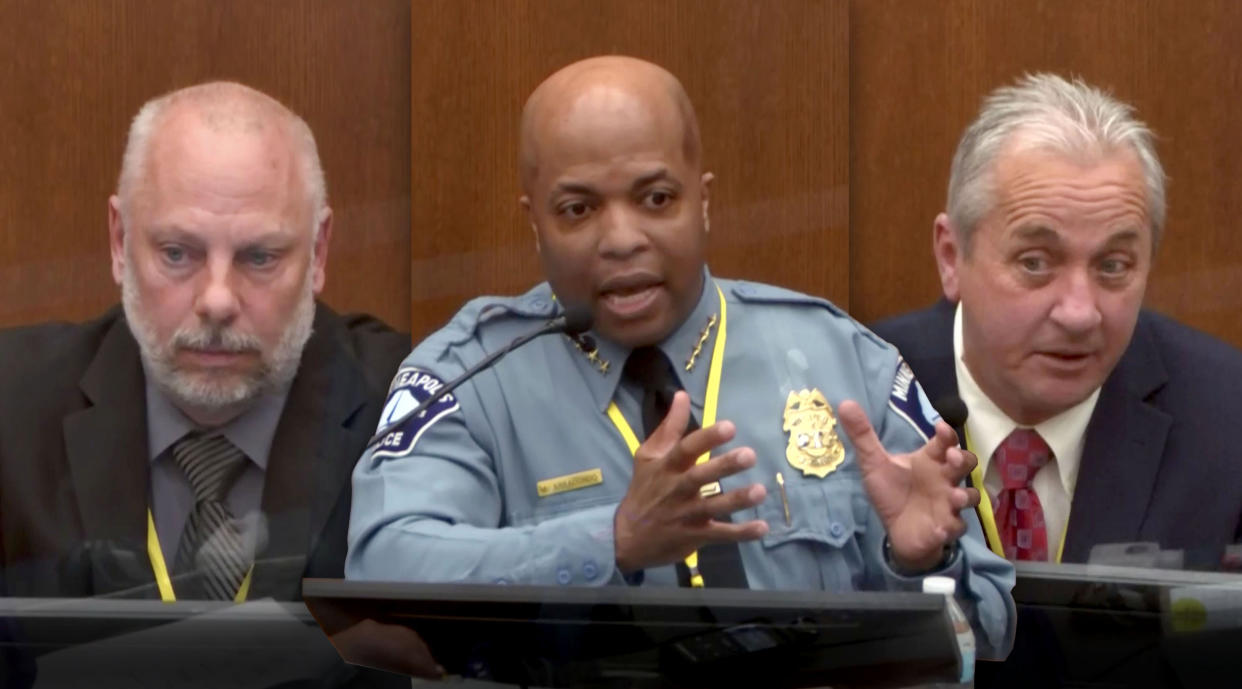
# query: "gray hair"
[222,104]
[1069,117]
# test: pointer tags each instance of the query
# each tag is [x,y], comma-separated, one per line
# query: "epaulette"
[537,304]
[762,293]
[758,292]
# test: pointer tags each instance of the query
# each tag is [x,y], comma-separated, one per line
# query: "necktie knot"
[648,367]
[651,370]
[210,462]
[1020,456]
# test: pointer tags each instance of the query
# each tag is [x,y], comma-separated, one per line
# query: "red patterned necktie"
[1019,515]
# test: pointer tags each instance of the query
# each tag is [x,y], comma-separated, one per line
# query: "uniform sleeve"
[904,419]
[427,506]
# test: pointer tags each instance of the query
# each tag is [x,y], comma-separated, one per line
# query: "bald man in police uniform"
[705,432]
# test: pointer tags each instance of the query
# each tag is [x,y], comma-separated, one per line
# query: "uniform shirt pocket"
[819,543]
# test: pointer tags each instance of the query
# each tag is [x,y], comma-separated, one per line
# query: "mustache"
[215,338]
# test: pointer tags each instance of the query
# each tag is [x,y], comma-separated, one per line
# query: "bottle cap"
[942,585]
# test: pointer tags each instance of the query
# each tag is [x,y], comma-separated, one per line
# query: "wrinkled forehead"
[1114,175]
[1094,198]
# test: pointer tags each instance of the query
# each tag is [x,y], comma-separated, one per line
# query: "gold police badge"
[813,445]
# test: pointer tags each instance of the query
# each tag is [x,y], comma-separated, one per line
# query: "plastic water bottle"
[961,626]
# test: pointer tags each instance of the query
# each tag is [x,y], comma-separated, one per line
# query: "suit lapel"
[312,457]
[106,448]
[1122,452]
[933,363]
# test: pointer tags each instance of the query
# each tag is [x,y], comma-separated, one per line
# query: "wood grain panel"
[768,80]
[75,72]
[919,70]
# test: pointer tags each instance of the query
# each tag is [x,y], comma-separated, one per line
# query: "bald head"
[221,110]
[604,97]
[616,195]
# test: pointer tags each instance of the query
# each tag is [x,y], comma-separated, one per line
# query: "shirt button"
[837,529]
[564,576]
[590,570]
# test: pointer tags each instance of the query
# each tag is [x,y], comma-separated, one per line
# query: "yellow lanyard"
[985,509]
[709,418]
[161,570]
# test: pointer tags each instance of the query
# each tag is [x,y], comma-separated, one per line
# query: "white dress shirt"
[987,426]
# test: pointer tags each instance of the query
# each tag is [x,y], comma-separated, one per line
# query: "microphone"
[575,320]
[953,410]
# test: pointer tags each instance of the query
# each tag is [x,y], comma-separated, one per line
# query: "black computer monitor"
[1113,626]
[653,637]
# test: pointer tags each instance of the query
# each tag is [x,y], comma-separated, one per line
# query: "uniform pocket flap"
[817,510]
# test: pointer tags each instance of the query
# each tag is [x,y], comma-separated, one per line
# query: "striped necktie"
[211,551]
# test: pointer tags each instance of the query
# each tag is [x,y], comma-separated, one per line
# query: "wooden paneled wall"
[918,71]
[76,71]
[829,125]
[768,79]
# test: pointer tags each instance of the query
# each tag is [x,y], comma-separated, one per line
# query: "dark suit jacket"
[74,472]
[1162,459]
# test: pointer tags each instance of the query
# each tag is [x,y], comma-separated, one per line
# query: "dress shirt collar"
[678,347]
[252,431]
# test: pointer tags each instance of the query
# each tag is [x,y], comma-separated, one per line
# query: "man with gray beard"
[197,441]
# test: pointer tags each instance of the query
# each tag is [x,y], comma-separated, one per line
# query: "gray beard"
[198,390]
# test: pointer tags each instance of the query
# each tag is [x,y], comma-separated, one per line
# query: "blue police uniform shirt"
[516,475]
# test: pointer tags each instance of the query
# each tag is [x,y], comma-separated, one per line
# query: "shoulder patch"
[410,388]
[910,402]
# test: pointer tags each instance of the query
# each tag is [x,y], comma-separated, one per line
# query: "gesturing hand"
[662,517]
[917,495]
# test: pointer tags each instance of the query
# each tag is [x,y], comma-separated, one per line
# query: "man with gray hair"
[1095,421]
[196,441]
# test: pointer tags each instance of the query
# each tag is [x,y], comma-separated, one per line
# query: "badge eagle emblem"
[814,447]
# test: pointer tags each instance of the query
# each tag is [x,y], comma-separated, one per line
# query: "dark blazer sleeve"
[379,349]
[40,518]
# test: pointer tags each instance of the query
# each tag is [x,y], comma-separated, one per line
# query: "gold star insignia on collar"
[698,346]
[592,354]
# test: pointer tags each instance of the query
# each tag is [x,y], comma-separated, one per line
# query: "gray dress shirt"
[172,498]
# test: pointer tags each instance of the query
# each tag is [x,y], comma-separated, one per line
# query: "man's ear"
[116,238]
[323,237]
[705,188]
[946,245]
[524,202]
